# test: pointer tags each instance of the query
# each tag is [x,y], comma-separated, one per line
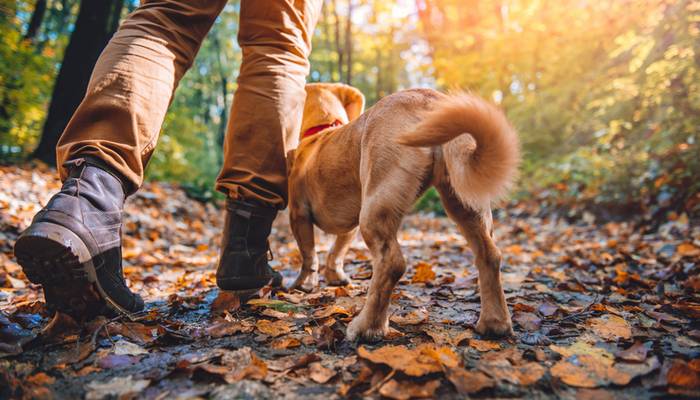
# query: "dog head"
[330,104]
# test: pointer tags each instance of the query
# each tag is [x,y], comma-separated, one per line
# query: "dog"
[366,170]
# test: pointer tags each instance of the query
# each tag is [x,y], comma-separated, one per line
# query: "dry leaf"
[320,374]
[610,327]
[424,273]
[227,328]
[484,345]
[422,360]
[527,320]
[273,329]
[414,317]
[684,375]
[469,382]
[403,390]
[285,343]
[225,301]
[636,353]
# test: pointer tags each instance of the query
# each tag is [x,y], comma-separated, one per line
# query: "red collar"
[318,128]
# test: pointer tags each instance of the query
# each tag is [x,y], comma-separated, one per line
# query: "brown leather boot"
[245,250]
[73,246]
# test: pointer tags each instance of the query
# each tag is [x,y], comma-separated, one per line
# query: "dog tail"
[480,147]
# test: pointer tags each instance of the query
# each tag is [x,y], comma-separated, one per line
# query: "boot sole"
[56,258]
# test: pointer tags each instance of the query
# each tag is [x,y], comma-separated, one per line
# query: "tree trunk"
[348,45]
[35,21]
[96,23]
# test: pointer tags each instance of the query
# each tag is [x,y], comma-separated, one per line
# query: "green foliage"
[26,76]
[430,202]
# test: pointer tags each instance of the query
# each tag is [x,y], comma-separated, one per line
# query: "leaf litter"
[603,309]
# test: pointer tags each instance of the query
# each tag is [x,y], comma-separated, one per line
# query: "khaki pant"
[135,77]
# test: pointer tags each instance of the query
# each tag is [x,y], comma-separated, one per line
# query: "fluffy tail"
[480,147]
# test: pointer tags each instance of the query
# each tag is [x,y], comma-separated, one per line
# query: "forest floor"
[600,310]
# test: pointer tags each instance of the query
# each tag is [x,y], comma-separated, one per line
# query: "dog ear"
[353,100]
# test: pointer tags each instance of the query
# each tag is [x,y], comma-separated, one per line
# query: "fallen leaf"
[331,310]
[469,382]
[121,387]
[320,374]
[273,329]
[414,317]
[403,390]
[636,353]
[285,343]
[419,361]
[684,375]
[225,302]
[126,348]
[424,273]
[41,379]
[228,328]
[484,345]
[442,335]
[527,320]
[610,327]
[687,250]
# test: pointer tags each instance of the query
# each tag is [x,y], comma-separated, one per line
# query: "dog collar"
[318,128]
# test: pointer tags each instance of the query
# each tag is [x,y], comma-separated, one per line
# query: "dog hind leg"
[476,227]
[333,271]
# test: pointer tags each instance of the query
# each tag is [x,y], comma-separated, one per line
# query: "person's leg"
[132,84]
[73,246]
[275,38]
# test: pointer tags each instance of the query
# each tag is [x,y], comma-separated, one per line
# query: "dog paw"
[494,327]
[358,330]
[335,277]
[306,284]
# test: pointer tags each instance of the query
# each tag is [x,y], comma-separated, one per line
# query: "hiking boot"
[73,246]
[245,250]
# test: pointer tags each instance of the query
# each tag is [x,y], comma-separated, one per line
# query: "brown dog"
[370,171]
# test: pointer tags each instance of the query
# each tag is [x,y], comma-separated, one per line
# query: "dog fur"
[369,172]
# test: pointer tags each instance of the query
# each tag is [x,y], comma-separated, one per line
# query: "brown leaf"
[636,353]
[320,374]
[424,273]
[527,320]
[422,360]
[442,336]
[273,329]
[687,250]
[587,371]
[414,317]
[610,327]
[285,343]
[684,375]
[228,328]
[469,382]
[293,362]
[41,379]
[225,301]
[484,345]
[331,310]
[403,390]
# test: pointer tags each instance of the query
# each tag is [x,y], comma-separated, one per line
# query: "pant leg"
[133,82]
[275,38]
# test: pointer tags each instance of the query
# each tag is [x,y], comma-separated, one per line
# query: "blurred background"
[605,93]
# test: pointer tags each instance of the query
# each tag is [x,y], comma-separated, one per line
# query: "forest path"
[599,311]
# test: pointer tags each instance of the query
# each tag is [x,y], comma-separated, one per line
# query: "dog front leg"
[303,230]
